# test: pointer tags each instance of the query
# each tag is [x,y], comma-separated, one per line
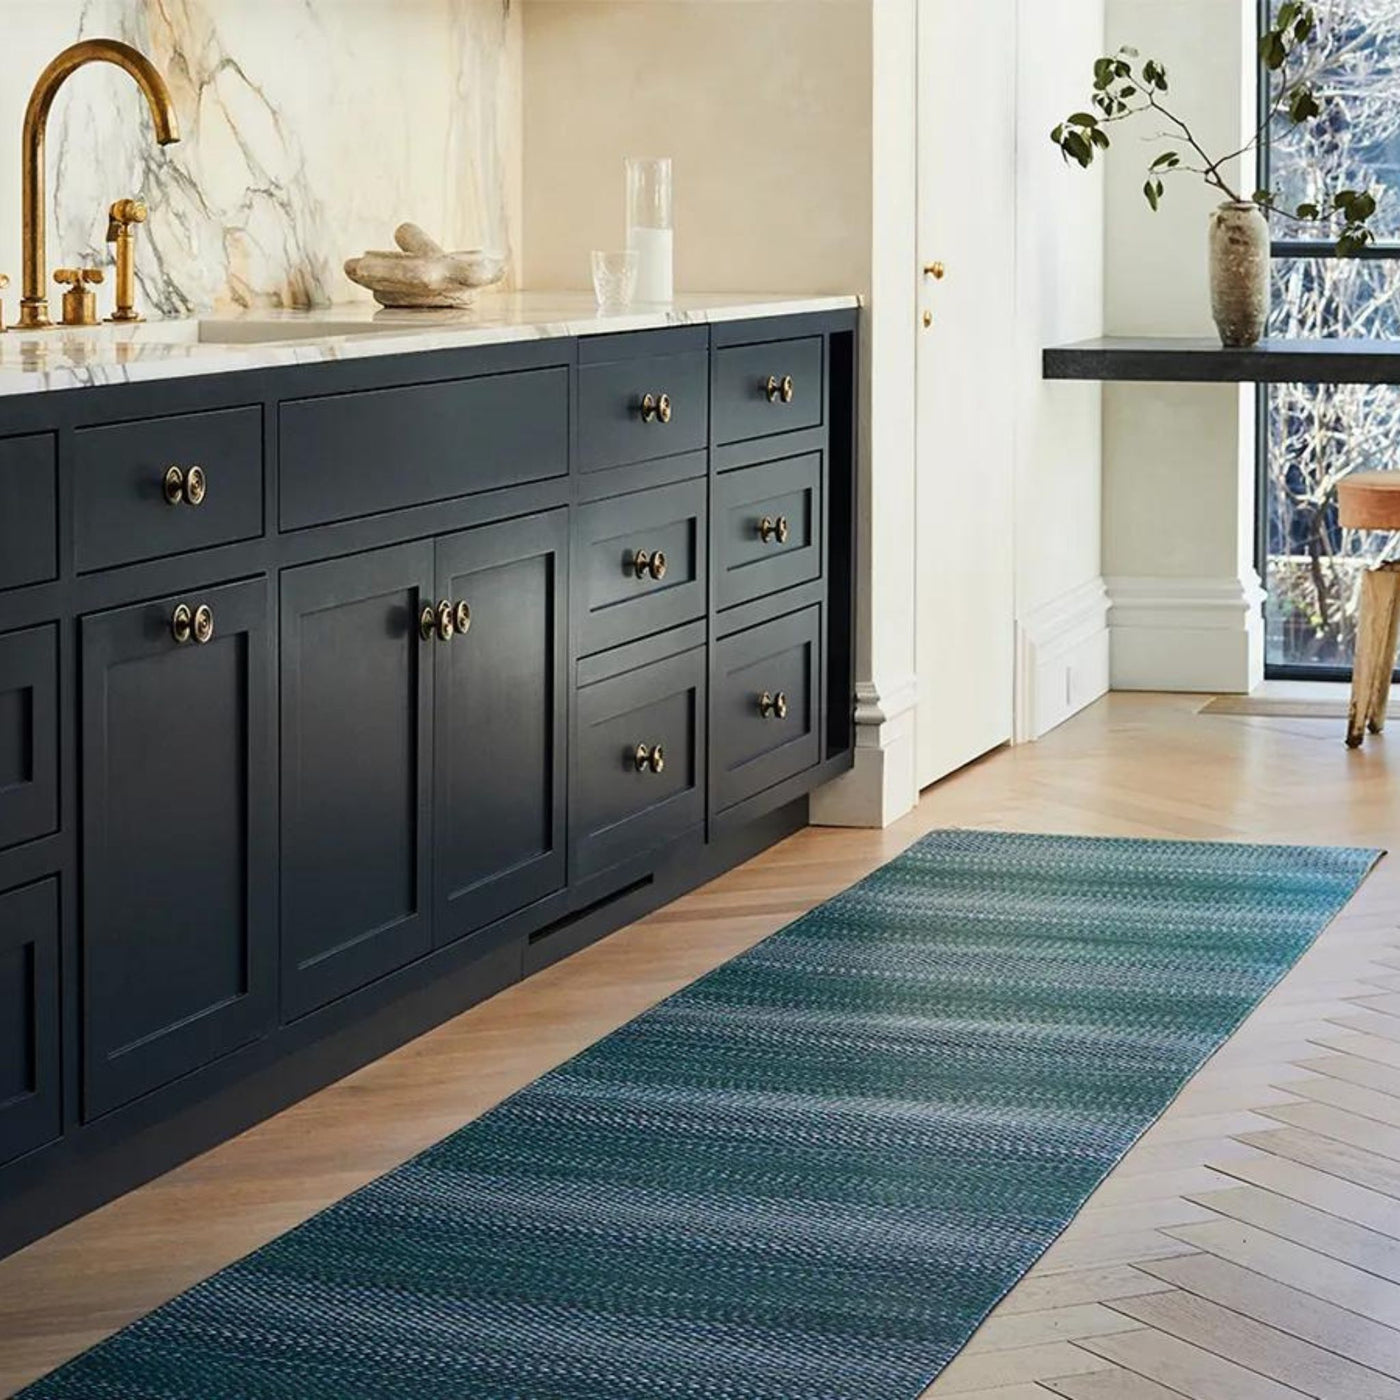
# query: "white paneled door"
[966,399]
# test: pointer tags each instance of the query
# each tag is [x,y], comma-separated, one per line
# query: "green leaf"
[1079,148]
[1083,119]
[1168,160]
[1129,51]
[1309,211]
[1100,138]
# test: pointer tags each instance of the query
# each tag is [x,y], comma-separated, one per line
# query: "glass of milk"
[650,226]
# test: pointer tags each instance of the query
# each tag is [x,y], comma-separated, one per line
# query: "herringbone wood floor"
[1247,1249]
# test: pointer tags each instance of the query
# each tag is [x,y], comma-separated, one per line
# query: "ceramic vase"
[1240,273]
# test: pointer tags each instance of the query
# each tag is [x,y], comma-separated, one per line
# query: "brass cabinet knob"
[656,408]
[772,706]
[185,487]
[446,621]
[770,529]
[663,408]
[427,623]
[649,759]
[777,389]
[936,270]
[462,616]
[195,625]
[653,565]
[440,621]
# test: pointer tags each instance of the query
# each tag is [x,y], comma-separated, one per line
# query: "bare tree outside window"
[1317,435]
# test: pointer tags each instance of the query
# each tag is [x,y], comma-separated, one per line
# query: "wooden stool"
[1371,501]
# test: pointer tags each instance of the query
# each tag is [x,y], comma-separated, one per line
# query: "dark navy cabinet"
[357,767]
[178,930]
[501,717]
[337,697]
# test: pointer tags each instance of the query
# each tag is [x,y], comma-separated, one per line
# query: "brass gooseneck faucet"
[34,305]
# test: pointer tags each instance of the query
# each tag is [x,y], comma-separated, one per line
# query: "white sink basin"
[230,332]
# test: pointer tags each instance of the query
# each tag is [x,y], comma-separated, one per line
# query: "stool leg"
[1389,591]
[1371,630]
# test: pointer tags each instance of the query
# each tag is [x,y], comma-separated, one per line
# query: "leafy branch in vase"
[1125,88]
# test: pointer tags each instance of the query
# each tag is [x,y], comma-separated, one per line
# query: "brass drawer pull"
[445,621]
[773,706]
[196,626]
[653,565]
[779,389]
[186,487]
[656,408]
[653,759]
[770,529]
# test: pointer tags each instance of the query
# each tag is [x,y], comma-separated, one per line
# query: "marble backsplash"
[310,128]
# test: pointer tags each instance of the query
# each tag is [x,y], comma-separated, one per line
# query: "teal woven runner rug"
[808,1176]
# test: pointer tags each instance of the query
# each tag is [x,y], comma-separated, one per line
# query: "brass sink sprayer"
[79,300]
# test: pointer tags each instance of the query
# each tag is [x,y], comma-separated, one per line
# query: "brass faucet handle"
[79,276]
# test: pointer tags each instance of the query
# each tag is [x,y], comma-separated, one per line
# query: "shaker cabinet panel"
[166,486]
[766,706]
[768,528]
[29,1037]
[776,386]
[641,565]
[28,510]
[28,734]
[178,924]
[639,778]
[501,715]
[357,753]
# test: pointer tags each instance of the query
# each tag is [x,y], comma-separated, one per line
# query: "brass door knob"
[186,487]
[937,270]
[770,529]
[772,706]
[652,565]
[779,389]
[652,759]
[195,625]
[656,408]
[462,616]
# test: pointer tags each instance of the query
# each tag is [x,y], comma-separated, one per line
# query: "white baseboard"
[1062,659]
[881,787]
[1195,634]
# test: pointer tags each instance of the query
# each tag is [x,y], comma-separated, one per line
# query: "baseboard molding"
[1062,659]
[1187,634]
[881,787]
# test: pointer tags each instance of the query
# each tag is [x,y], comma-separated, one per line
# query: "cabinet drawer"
[746,406]
[623,592]
[623,805]
[28,511]
[28,735]
[121,510]
[617,426]
[765,716]
[350,455]
[768,526]
[29,1054]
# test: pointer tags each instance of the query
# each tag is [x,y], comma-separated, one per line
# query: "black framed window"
[1311,436]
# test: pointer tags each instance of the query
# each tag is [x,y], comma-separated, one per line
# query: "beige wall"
[764,106]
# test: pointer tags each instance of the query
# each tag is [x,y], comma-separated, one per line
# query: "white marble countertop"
[33,362]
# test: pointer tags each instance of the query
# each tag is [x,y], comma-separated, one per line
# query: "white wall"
[1178,485]
[1060,601]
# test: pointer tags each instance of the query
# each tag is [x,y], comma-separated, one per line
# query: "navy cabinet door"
[357,762]
[29,1094]
[502,715]
[178,876]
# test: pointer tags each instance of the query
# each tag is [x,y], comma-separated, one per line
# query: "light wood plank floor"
[1247,1249]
